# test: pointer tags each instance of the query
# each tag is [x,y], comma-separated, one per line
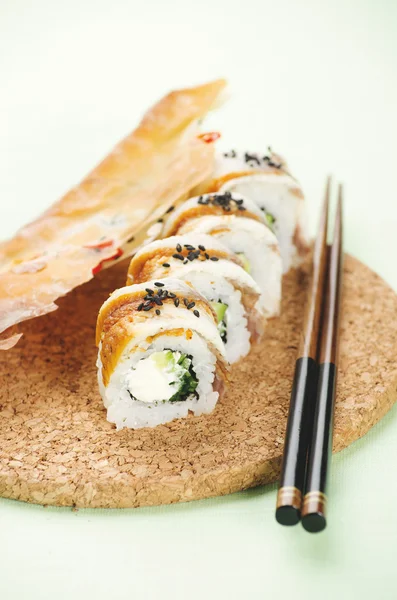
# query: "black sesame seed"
[178,256]
[140,306]
[149,291]
[249,158]
[131,239]
[147,303]
[239,202]
[189,247]
[148,297]
[206,255]
[157,311]
[176,302]
[185,301]
[185,262]
[158,284]
[171,208]
[190,256]
[214,258]
[160,220]
[190,305]
[196,313]
[165,265]
[242,208]
[146,308]
[171,295]
[202,247]
[158,301]
[179,248]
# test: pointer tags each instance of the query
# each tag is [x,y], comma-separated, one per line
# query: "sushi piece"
[158,359]
[239,224]
[266,181]
[216,273]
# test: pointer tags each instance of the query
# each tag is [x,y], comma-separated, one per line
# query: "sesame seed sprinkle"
[166,265]
[179,248]
[157,311]
[190,305]
[196,313]
[176,302]
[214,258]
[140,306]
[178,256]
[158,284]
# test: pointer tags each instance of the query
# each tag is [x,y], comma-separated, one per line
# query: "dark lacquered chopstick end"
[289,502]
[314,512]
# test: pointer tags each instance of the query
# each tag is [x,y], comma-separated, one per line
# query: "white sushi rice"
[124,411]
[258,244]
[280,196]
[215,288]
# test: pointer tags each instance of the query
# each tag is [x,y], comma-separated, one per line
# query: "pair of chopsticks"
[308,441]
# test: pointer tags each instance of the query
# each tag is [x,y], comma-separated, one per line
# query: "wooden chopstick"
[301,408]
[314,503]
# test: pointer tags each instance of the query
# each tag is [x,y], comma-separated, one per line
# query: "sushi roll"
[159,358]
[266,181]
[217,274]
[239,224]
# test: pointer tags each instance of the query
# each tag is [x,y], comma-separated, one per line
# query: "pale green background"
[317,80]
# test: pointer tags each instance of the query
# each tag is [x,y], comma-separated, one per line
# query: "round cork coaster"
[56,446]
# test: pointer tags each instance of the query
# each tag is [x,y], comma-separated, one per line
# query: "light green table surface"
[317,80]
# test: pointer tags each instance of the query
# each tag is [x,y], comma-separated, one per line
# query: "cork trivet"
[56,446]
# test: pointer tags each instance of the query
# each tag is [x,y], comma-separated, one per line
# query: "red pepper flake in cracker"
[209,137]
[99,245]
[99,266]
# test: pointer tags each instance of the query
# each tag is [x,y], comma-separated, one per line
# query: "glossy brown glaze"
[310,331]
[330,325]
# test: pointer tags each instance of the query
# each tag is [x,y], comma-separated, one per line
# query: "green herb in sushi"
[245,261]
[270,219]
[220,311]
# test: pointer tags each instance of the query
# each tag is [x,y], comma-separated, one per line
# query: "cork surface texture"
[56,446]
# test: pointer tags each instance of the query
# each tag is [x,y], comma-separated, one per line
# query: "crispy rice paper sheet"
[110,213]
